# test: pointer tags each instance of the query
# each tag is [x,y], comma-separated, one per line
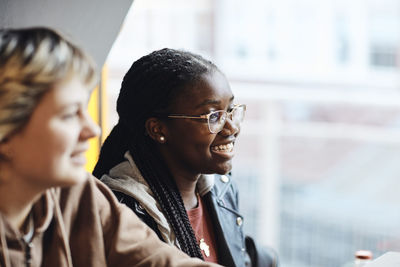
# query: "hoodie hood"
[41,212]
[126,178]
[44,210]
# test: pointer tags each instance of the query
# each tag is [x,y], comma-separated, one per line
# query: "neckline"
[196,212]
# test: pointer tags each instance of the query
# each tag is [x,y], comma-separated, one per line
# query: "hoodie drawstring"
[6,256]
[62,227]
[27,240]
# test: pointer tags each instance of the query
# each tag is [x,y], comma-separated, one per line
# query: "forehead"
[211,90]
[69,92]
[73,89]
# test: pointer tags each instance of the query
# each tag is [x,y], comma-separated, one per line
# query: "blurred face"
[190,146]
[49,151]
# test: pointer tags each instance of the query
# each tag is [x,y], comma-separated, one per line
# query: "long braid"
[149,87]
[167,194]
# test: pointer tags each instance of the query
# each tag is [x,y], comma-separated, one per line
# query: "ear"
[156,129]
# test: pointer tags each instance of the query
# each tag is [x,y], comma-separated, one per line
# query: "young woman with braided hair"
[169,155]
[52,212]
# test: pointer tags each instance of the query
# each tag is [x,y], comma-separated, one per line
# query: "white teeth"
[224,148]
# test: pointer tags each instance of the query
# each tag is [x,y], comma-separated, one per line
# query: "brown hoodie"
[84,225]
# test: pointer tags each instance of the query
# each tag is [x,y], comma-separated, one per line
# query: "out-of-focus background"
[318,159]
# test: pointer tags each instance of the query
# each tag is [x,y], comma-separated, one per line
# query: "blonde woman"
[52,213]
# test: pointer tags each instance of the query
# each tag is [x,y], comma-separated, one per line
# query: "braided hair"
[150,86]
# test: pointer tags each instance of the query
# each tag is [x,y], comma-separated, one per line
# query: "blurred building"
[318,158]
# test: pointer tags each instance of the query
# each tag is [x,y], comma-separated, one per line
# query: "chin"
[80,177]
[73,178]
[224,169]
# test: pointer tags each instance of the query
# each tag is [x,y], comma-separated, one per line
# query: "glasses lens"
[216,121]
[238,114]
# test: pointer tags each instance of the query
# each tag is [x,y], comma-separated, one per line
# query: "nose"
[230,128]
[89,127]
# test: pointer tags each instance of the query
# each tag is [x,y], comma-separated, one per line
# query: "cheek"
[192,134]
[193,148]
[61,165]
[61,143]
[201,142]
[205,145]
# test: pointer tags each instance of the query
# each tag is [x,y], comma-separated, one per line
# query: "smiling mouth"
[79,159]
[223,148]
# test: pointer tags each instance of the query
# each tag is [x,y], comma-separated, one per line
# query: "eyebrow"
[211,102]
[68,106]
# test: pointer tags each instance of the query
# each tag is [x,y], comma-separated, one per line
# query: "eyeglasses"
[216,119]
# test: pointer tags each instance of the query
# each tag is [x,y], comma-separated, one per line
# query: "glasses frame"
[207,116]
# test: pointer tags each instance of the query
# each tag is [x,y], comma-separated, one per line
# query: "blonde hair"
[32,62]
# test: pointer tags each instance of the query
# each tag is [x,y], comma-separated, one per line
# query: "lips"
[78,156]
[81,150]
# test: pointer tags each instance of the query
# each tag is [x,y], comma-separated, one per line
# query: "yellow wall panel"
[94,143]
[98,109]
